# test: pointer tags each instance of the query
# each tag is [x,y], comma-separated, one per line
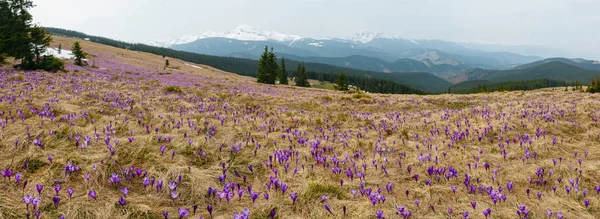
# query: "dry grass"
[256,116]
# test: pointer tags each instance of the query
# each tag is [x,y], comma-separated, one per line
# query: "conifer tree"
[59,48]
[301,79]
[262,74]
[273,68]
[282,76]
[342,82]
[167,63]
[19,38]
[78,53]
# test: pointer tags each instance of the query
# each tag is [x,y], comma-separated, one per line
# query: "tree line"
[522,85]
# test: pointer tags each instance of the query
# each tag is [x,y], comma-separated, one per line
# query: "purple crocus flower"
[124,191]
[70,191]
[293,196]
[586,202]
[210,210]
[57,188]
[39,188]
[56,201]
[272,213]
[328,208]
[92,194]
[122,201]
[487,212]
[174,195]
[379,214]
[166,214]
[183,212]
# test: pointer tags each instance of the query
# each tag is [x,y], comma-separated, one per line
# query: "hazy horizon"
[569,26]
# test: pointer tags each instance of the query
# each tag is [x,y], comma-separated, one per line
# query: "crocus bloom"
[56,200]
[70,191]
[124,191]
[328,208]
[122,201]
[39,188]
[379,214]
[183,212]
[293,196]
[92,194]
[209,209]
[57,188]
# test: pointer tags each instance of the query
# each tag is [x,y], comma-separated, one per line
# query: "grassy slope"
[129,86]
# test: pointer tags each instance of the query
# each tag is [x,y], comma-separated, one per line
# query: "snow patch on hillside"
[319,44]
[63,54]
[193,66]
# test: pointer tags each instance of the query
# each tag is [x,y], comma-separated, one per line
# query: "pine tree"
[167,63]
[342,82]
[262,74]
[78,53]
[272,67]
[282,76]
[301,79]
[59,48]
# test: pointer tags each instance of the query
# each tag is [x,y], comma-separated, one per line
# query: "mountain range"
[386,52]
[414,73]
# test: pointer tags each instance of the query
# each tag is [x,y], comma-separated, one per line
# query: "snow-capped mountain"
[248,42]
[242,32]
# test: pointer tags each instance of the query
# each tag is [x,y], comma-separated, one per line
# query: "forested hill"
[378,82]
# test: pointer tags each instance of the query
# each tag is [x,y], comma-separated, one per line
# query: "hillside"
[582,63]
[129,138]
[553,70]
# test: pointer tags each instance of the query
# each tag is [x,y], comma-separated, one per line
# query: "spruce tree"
[282,76]
[301,79]
[19,38]
[262,74]
[272,67]
[59,48]
[78,53]
[167,63]
[342,82]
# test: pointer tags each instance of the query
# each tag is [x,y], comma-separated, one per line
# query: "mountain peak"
[246,28]
[367,36]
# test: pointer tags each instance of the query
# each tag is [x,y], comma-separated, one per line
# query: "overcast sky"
[570,25]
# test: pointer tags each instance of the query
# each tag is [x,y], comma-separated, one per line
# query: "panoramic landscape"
[251,123]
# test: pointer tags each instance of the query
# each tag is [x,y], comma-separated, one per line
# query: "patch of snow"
[596,63]
[64,54]
[193,66]
[319,44]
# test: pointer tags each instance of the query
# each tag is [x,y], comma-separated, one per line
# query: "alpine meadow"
[101,121]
